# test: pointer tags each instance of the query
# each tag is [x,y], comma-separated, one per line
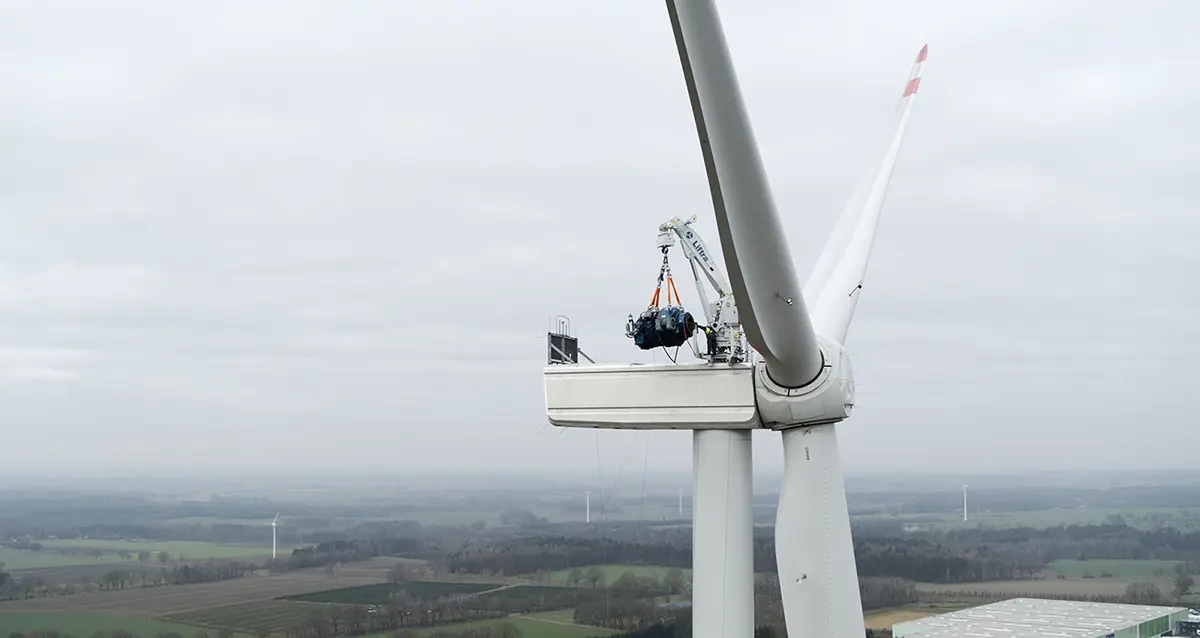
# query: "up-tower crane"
[727,343]
[672,325]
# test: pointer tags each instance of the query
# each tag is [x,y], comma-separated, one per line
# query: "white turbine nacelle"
[697,396]
[687,396]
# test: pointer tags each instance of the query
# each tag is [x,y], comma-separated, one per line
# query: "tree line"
[31,586]
[914,559]
[1114,540]
[345,551]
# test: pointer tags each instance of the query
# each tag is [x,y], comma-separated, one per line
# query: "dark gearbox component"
[673,326]
[643,332]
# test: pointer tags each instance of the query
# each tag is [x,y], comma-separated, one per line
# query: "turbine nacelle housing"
[827,399]
[697,396]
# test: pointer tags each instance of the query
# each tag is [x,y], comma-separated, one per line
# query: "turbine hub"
[827,399]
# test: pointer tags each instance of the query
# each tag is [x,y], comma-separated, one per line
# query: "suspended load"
[674,326]
[666,327]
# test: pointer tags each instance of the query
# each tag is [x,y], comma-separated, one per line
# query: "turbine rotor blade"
[765,287]
[836,282]
[814,550]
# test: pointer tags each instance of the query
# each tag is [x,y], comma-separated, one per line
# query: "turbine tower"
[798,381]
[964,503]
[274,523]
[587,506]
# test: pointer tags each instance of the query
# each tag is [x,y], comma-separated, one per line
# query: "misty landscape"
[322,320]
[512,555]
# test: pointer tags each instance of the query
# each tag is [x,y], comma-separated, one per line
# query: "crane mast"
[725,342]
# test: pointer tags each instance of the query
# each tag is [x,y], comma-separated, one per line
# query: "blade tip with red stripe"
[912,87]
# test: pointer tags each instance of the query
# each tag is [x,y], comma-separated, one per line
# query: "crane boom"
[697,252]
[724,325]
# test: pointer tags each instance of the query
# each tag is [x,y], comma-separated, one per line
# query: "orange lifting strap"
[665,273]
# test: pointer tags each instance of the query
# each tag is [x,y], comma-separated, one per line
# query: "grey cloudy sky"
[315,234]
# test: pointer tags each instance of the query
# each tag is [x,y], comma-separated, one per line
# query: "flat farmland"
[75,552]
[150,602]
[528,626]
[194,550]
[380,594]
[73,575]
[1126,569]
[20,559]
[886,619]
[84,624]
[275,616]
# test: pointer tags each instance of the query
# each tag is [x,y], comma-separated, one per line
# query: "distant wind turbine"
[274,524]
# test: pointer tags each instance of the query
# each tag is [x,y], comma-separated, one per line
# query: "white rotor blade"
[814,550]
[836,282]
[836,245]
[765,287]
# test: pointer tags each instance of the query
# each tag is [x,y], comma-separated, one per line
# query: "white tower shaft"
[964,503]
[681,502]
[722,535]
[587,506]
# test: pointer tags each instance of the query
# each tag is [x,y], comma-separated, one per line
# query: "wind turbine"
[964,503]
[274,524]
[799,382]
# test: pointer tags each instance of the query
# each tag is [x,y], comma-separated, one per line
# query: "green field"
[381,594]
[272,615]
[15,559]
[278,616]
[189,549]
[561,616]
[1124,569]
[613,572]
[70,552]
[532,626]
[83,624]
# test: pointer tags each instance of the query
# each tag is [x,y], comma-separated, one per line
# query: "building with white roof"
[1035,618]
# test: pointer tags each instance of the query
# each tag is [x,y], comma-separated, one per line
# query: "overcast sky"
[331,235]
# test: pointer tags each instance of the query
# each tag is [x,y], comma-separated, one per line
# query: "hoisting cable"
[617,477]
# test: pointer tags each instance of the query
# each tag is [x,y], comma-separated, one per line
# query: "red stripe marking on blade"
[913,84]
[923,54]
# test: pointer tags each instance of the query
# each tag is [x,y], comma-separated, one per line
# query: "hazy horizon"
[309,237]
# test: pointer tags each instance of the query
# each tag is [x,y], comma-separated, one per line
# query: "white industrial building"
[1034,618]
